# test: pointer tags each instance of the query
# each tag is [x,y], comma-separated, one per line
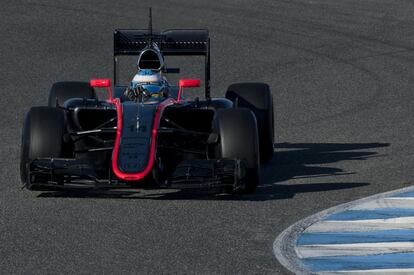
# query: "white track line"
[362,225]
[393,202]
[371,271]
[354,249]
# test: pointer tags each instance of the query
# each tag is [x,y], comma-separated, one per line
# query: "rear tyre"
[42,136]
[257,97]
[237,130]
[62,91]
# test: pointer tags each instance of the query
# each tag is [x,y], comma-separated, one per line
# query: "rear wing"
[170,42]
[189,42]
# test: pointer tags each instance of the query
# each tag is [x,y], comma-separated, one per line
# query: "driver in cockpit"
[147,86]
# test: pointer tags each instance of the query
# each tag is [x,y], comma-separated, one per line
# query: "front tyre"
[257,97]
[238,139]
[42,136]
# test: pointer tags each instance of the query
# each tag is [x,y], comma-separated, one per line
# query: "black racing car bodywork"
[165,140]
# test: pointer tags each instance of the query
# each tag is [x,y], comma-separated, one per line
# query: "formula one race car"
[148,132]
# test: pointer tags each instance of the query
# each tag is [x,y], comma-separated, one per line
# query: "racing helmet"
[147,85]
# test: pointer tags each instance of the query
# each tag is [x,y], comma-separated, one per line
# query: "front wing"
[195,173]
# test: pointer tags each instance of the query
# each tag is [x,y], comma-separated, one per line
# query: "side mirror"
[187,83]
[102,83]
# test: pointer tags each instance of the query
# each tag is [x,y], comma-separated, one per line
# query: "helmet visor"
[153,89]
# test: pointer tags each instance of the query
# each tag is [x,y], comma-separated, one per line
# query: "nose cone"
[150,59]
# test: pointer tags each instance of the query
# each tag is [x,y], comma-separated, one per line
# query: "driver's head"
[148,76]
[148,80]
[147,84]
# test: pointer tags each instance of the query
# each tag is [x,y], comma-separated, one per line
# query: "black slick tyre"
[257,97]
[42,136]
[62,91]
[238,139]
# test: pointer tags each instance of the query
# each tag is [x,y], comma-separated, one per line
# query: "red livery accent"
[187,83]
[102,83]
[140,175]
[190,83]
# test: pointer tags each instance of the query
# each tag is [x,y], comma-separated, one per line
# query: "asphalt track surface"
[342,77]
